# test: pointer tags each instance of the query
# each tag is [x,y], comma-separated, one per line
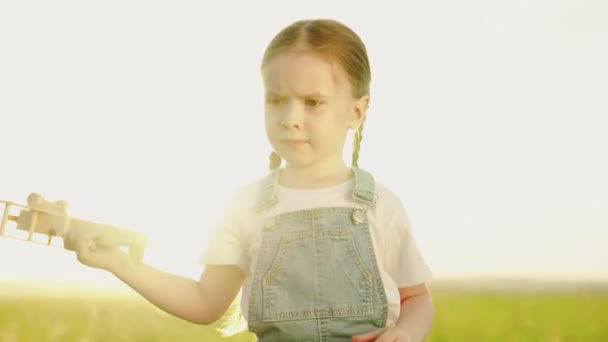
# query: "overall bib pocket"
[318,274]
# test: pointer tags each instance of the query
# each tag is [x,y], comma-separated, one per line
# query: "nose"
[292,117]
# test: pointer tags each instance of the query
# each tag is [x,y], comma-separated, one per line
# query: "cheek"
[268,124]
[269,117]
[329,130]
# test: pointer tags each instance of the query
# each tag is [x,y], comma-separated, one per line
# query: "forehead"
[303,73]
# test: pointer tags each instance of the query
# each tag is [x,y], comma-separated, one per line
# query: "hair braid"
[357,145]
[275,160]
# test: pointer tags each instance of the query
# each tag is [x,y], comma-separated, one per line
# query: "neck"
[315,176]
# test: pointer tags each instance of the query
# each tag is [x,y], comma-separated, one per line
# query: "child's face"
[309,108]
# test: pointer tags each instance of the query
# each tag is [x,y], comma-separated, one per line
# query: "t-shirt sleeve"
[225,244]
[403,259]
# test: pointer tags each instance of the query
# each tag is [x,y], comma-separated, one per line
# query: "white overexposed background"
[488,118]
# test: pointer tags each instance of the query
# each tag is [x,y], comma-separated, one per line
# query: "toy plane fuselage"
[51,219]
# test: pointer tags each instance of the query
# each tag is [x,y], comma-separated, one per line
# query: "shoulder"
[383,195]
[246,196]
[388,202]
[386,197]
[390,208]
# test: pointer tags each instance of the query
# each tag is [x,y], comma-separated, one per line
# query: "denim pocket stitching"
[355,309]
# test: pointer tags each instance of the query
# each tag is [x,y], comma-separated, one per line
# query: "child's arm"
[417,311]
[201,302]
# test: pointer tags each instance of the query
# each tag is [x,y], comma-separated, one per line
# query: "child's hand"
[393,334]
[96,256]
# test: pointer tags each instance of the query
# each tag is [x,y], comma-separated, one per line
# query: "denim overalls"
[316,276]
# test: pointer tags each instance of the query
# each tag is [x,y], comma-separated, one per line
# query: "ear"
[359,112]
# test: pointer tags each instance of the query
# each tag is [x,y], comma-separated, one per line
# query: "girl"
[321,251]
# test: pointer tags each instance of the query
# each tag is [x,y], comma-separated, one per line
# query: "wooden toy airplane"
[40,216]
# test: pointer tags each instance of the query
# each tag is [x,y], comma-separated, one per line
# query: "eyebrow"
[302,96]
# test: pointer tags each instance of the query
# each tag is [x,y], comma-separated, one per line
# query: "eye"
[312,103]
[274,101]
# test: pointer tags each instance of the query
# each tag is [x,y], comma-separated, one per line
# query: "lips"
[294,142]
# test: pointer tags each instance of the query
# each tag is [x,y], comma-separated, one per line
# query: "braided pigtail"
[275,160]
[357,145]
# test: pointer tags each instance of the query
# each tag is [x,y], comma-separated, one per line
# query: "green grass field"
[460,316]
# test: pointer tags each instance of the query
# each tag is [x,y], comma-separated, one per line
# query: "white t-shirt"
[236,238]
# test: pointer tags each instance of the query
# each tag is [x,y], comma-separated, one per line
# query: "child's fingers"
[80,242]
[393,335]
[368,337]
[389,336]
[84,249]
[72,239]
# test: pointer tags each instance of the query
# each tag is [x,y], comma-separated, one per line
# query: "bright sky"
[488,118]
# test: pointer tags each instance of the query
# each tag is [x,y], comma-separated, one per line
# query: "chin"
[299,163]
